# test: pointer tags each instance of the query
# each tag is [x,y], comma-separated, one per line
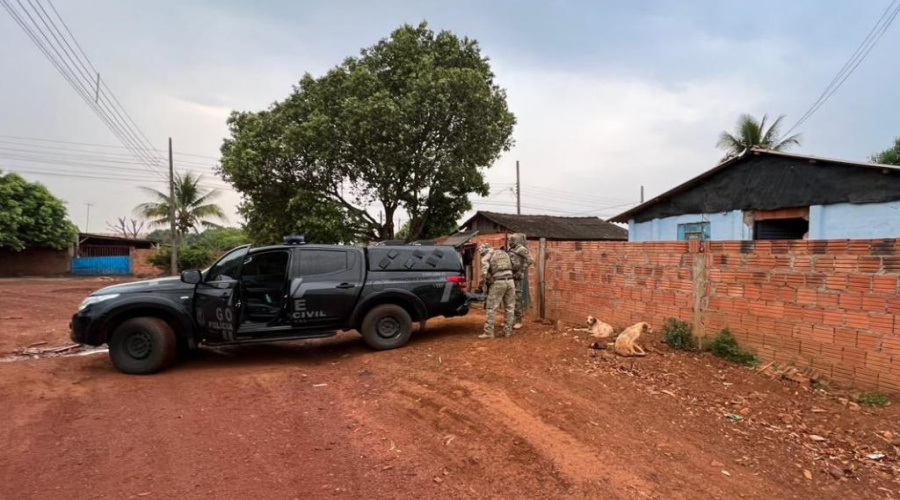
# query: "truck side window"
[228,268]
[318,262]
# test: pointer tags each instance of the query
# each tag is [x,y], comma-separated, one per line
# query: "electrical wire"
[859,55]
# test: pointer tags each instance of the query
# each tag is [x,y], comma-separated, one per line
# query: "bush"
[188,258]
[872,399]
[679,335]
[725,346]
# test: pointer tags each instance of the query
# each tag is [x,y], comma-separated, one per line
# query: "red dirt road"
[539,415]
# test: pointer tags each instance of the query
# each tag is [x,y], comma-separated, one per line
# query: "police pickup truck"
[284,292]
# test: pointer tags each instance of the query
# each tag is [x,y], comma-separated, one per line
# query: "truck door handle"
[346,285]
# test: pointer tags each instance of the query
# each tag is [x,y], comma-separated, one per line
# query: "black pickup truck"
[283,292]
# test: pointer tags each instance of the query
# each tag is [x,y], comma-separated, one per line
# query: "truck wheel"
[386,327]
[142,346]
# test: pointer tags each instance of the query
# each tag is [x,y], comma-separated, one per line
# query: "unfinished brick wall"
[832,305]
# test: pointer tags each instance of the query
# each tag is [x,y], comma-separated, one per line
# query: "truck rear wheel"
[386,326]
[142,346]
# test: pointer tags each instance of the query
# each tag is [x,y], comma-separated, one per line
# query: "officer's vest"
[501,267]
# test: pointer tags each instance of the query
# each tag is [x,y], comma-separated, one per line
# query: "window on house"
[693,231]
[780,229]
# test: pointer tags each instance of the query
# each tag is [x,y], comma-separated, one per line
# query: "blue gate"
[96,266]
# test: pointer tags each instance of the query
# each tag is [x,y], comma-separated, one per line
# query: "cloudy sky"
[609,96]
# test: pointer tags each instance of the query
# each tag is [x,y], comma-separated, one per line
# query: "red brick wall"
[34,262]
[832,305]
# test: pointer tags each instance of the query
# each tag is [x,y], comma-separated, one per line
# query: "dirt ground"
[538,415]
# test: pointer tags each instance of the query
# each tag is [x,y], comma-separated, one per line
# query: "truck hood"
[147,286]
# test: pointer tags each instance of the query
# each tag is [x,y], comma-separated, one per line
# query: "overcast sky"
[608,96]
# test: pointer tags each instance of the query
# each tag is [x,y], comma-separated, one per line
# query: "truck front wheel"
[386,326]
[143,345]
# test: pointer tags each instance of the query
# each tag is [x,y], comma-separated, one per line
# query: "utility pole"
[642,194]
[518,191]
[172,235]
[87,220]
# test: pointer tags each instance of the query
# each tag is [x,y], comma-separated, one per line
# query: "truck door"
[217,304]
[324,287]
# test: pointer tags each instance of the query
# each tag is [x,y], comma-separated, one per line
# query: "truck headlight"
[95,299]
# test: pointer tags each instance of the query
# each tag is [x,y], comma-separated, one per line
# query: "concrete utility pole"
[173,236]
[642,194]
[87,219]
[518,191]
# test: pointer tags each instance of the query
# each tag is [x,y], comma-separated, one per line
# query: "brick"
[807,296]
[865,377]
[874,303]
[859,283]
[857,319]
[833,318]
[890,264]
[889,382]
[884,284]
[868,341]
[827,299]
[823,334]
[853,357]
[845,336]
[850,300]
[869,264]
[823,263]
[815,316]
[836,281]
[881,323]
[846,263]
[891,345]
[878,361]
[832,353]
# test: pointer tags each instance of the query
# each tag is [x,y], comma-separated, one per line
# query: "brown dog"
[597,328]
[625,343]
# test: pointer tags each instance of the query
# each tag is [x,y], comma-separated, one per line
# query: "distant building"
[550,227]
[766,195]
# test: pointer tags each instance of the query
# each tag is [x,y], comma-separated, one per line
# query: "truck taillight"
[459,280]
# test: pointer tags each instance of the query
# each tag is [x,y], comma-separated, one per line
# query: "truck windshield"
[228,268]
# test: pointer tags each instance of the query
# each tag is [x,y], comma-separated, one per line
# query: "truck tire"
[142,346]
[386,326]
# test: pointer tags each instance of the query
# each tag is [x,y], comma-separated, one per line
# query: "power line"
[60,54]
[85,154]
[872,38]
[19,137]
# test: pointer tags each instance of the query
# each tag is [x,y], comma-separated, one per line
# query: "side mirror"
[192,276]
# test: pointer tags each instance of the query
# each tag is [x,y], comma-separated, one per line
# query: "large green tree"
[194,206]
[750,132]
[32,217]
[890,156]
[408,125]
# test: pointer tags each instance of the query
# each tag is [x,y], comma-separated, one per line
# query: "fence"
[832,305]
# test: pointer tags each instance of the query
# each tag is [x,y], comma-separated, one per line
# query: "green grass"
[679,335]
[876,399]
[725,346]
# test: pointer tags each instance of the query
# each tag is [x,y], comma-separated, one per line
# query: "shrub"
[679,335]
[872,399]
[725,346]
[188,258]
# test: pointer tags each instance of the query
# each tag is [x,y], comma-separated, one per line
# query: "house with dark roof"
[765,195]
[550,227]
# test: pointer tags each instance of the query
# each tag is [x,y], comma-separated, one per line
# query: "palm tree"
[752,133]
[193,205]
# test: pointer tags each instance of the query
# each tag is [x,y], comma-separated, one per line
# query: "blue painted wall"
[826,222]
[722,226]
[849,221]
[100,266]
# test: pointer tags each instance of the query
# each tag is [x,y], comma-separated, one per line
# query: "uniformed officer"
[521,260]
[496,274]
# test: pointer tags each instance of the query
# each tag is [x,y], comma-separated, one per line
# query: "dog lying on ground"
[625,343]
[597,328]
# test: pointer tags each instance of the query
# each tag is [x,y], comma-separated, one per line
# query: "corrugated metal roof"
[555,228]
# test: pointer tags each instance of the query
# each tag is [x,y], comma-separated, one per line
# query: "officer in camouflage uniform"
[496,274]
[521,260]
